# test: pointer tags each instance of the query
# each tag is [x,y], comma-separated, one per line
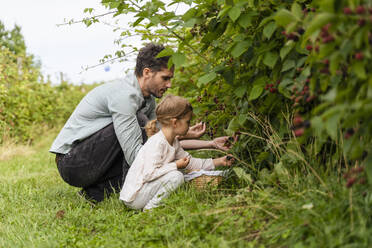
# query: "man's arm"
[123,111]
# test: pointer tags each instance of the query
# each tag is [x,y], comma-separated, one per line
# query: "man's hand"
[182,163]
[222,143]
[195,132]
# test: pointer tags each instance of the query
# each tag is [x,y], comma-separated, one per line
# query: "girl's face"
[182,125]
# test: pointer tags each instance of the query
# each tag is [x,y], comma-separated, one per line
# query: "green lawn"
[37,209]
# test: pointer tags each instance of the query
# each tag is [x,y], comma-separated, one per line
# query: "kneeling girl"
[154,172]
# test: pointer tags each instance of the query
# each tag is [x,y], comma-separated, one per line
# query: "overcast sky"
[66,48]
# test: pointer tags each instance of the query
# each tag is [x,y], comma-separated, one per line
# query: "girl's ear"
[173,122]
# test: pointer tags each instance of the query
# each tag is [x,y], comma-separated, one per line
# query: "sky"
[68,48]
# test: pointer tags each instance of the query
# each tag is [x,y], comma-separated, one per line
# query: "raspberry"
[361,22]
[350,182]
[309,47]
[359,56]
[347,11]
[360,10]
[297,121]
[299,132]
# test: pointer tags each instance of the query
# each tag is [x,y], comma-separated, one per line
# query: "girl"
[154,172]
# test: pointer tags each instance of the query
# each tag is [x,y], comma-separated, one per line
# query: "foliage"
[12,39]
[301,67]
[28,104]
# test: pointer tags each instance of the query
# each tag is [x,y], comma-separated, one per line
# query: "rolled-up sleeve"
[195,163]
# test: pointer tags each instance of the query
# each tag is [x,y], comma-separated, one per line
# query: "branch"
[92,18]
[107,61]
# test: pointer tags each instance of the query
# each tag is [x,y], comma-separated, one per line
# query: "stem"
[351,209]
[93,17]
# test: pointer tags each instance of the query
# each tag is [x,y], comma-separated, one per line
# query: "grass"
[37,209]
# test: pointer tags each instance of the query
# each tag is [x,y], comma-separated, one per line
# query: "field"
[37,209]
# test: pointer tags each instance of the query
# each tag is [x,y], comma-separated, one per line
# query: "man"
[103,135]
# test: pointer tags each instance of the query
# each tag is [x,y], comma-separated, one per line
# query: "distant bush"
[28,104]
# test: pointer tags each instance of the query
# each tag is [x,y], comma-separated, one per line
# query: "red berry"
[308,80]
[306,88]
[312,9]
[350,182]
[198,99]
[284,32]
[273,90]
[266,87]
[278,82]
[317,48]
[299,132]
[298,98]
[370,10]
[359,56]
[347,11]
[363,180]
[309,47]
[326,61]
[297,120]
[361,22]
[326,27]
[271,85]
[324,70]
[328,39]
[310,98]
[360,10]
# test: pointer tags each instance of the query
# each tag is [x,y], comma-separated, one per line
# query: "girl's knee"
[176,177]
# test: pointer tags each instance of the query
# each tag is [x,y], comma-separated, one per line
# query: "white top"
[156,158]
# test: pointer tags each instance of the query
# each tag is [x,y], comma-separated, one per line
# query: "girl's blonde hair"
[170,107]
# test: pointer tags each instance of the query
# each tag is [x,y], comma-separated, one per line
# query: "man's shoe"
[83,195]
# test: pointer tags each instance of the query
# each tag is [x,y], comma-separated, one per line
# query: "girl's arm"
[217,143]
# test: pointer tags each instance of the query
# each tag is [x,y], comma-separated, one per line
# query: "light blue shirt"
[116,102]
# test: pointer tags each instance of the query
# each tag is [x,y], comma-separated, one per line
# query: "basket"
[205,181]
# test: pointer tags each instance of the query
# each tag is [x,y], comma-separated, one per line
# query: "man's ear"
[146,73]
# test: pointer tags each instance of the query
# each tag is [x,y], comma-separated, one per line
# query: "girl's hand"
[182,163]
[224,161]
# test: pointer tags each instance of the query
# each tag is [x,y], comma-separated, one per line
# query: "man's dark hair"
[147,59]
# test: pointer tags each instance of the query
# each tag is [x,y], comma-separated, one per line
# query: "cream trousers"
[151,193]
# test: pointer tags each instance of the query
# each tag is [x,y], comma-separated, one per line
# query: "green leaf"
[296,10]
[240,48]
[269,30]
[178,59]
[240,91]
[270,59]
[233,125]
[288,64]
[207,78]
[234,13]
[286,49]
[242,175]
[224,11]
[255,92]
[359,70]
[245,20]
[368,162]
[138,21]
[319,21]
[165,52]
[283,17]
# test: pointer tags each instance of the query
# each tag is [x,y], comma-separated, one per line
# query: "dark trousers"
[96,164]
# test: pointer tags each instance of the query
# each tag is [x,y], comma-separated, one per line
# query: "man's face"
[159,82]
